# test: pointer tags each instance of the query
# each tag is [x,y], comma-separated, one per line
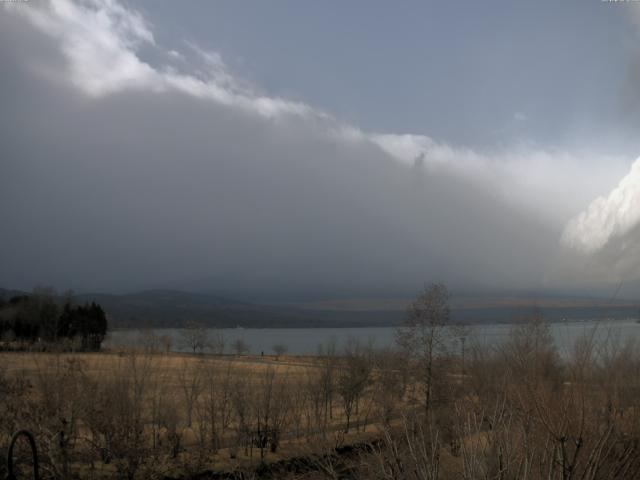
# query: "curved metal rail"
[34,454]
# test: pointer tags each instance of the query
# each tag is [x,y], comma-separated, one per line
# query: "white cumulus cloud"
[101,38]
[607,217]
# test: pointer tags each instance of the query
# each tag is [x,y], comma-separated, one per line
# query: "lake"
[305,341]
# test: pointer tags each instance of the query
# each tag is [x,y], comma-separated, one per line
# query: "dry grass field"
[194,412]
[519,411]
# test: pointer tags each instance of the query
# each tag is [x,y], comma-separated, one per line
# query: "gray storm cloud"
[119,172]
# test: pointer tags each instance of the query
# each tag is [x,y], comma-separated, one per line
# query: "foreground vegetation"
[421,411]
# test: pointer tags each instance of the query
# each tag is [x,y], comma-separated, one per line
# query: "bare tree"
[217,402]
[169,421]
[166,341]
[461,333]
[423,331]
[530,350]
[327,357]
[240,347]
[242,403]
[314,397]
[390,383]
[279,349]
[194,337]
[353,379]
[148,340]
[190,380]
[115,414]
[217,342]
[270,409]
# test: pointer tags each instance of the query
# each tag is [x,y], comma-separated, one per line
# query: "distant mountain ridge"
[175,308]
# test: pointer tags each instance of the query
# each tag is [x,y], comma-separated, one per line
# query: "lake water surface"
[305,341]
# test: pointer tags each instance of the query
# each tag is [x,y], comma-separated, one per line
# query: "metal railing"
[34,454]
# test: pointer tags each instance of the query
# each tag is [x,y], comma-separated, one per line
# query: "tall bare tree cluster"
[423,335]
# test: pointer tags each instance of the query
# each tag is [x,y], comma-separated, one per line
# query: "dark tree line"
[43,317]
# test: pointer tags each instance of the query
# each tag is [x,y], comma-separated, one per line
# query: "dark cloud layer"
[141,189]
[118,172]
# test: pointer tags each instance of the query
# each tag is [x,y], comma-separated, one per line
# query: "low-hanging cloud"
[607,217]
[102,40]
[163,168]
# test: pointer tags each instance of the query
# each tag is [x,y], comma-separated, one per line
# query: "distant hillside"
[172,308]
[7,294]
[493,308]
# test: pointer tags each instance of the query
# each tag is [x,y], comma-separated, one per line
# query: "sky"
[289,148]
